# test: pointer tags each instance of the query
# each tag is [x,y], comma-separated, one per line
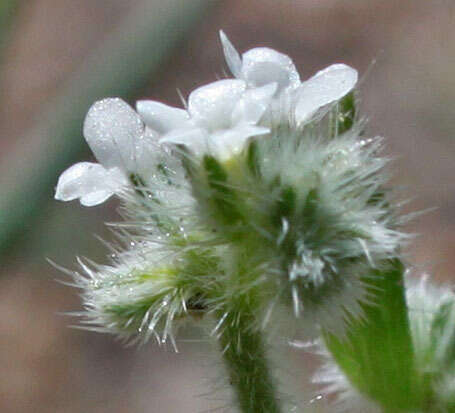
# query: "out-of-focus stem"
[7,12]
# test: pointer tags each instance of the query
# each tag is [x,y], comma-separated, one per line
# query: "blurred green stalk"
[120,67]
[7,12]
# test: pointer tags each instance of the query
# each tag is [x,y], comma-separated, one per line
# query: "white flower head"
[262,65]
[119,141]
[301,201]
[222,116]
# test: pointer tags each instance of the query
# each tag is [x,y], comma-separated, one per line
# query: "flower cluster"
[262,192]
[219,120]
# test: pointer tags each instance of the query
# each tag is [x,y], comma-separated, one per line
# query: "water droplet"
[316,399]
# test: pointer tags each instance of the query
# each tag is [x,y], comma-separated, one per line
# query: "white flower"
[118,139]
[221,117]
[262,65]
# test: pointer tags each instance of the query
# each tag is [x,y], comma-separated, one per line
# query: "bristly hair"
[311,209]
[298,218]
[336,386]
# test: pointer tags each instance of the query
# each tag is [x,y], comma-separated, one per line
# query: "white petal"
[160,117]
[223,145]
[231,55]
[211,105]
[253,104]
[147,153]
[95,198]
[111,128]
[262,65]
[326,86]
[195,139]
[90,182]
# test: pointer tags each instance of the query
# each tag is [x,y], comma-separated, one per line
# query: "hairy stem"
[244,355]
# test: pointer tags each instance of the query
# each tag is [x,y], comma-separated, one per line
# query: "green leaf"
[377,352]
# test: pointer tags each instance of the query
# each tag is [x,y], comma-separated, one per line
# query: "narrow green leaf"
[377,352]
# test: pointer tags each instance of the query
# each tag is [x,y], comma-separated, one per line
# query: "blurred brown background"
[408,94]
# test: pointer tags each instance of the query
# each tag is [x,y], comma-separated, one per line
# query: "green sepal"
[223,198]
[140,187]
[149,200]
[346,113]
[343,116]
[310,208]
[252,158]
[170,292]
[376,354]
[285,205]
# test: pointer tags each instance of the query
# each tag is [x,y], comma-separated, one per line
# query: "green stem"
[245,359]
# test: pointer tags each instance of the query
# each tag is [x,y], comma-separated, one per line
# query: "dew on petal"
[263,65]
[160,117]
[111,128]
[211,105]
[325,87]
